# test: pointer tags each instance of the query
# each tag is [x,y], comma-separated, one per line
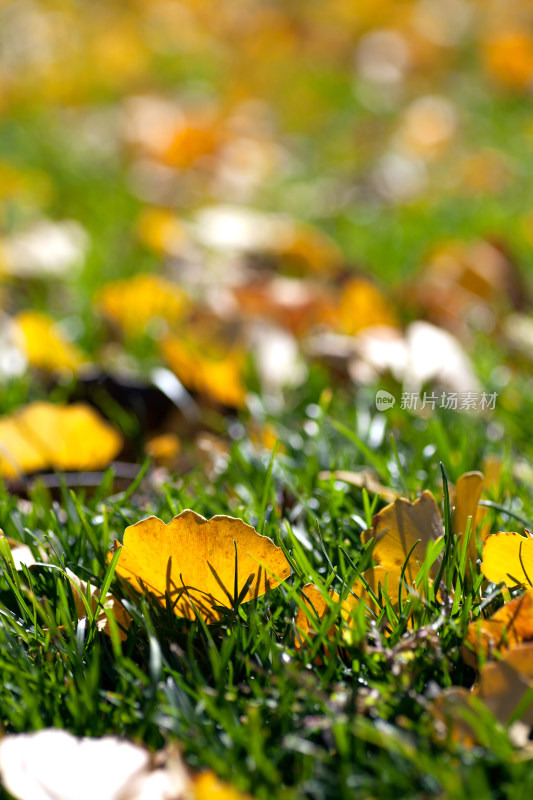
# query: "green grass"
[238,696]
[344,716]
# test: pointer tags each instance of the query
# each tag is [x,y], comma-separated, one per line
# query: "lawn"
[270,263]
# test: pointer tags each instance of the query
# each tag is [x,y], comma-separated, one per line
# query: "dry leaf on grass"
[504,687]
[132,303]
[110,603]
[43,344]
[508,558]
[467,495]
[164,448]
[21,554]
[46,436]
[45,250]
[51,764]
[193,561]
[363,306]
[397,530]
[314,610]
[220,378]
[363,479]
[208,787]
[512,624]
[503,684]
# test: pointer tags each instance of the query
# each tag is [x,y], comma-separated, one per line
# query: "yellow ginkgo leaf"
[208,787]
[362,306]
[44,346]
[161,231]
[492,485]
[508,558]
[200,563]
[467,494]
[309,250]
[47,436]
[386,581]
[164,448]
[219,378]
[404,528]
[315,609]
[132,303]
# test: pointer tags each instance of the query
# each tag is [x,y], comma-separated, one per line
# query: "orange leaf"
[192,560]
[507,627]
[317,606]
[361,306]
[509,57]
[219,378]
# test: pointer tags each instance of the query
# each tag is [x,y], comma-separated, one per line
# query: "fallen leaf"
[218,377]
[467,495]
[43,344]
[396,530]
[164,448]
[161,231]
[309,250]
[317,607]
[425,355]
[512,624]
[239,229]
[508,558]
[363,479]
[503,684]
[46,436]
[508,57]
[193,561]
[133,303]
[363,306]
[428,125]
[22,554]
[45,250]
[491,468]
[385,581]
[51,764]
[294,304]
[208,787]
[465,284]
[109,603]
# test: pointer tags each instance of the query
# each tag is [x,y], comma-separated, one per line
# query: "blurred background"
[207,206]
